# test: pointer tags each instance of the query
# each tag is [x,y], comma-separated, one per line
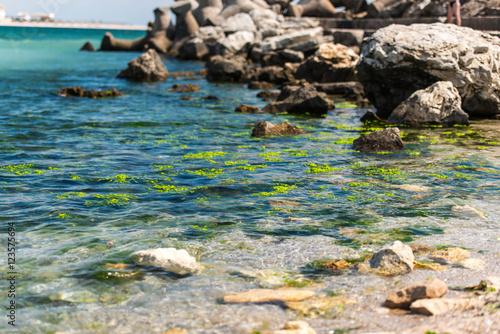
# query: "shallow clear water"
[88,182]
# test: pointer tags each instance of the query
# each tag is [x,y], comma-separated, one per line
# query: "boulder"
[288,40]
[439,104]
[201,44]
[87,47]
[231,69]
[267,129]
[146,67]
[350,90]
[392,260]
[436,306]
[260,85]
[398,60]
[234,43]
[268,296]
[302,100]
[238,22]
[280,58]
[347,37]
[434,288]
[92,94]
[386,140]
[274,74]
[331,63]
[177,261]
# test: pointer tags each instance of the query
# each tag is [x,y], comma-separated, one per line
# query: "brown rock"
[429,266]
[210,97]
[434,288]
[340,264]
[301,100]
[437,306]
[176,331]
[176,75]
[88,47]
[247,109]
[265,128]
[268,296]
[189,88]
[260,85]
[388,139]
[92,94]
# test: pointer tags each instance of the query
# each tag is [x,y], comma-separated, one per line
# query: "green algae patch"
[279,188]
[208,172]
[320,169]
[169,188]
[23,169]
[110,200]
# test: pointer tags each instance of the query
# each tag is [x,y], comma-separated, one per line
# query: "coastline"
[73,25]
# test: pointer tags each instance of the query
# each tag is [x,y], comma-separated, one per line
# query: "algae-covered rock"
[267,129]
[388,139]
[392,260]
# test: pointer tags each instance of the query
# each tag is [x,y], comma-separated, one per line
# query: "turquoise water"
[88,182]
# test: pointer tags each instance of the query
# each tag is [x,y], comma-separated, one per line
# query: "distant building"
[26,17]
[2,12]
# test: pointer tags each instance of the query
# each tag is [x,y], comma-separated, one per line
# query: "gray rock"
[238,22]
[394,259]
[305,100]
[177,261]
[267,129]
[386,140]
[231,69]
[312,44]
[207,9]
[234,43]
[273,74]
[399,60]
[284,41]
[292,23]
[439,104]
[434,288]
[146,67]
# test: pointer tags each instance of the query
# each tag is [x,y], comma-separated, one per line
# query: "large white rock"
[398,60]
[234,42]
[238,22]
[287,40]
[177,261]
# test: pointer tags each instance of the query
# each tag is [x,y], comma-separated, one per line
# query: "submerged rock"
[177,261]
[268,296]
[388,140]
[301,100]
[93,94]
[189,88]
[247,109]
[146,67]
[434,288]
[439,104]
[267,129]
[392,260]
[398,60]
[450,255]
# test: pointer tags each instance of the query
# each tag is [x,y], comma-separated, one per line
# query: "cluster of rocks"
[91,94]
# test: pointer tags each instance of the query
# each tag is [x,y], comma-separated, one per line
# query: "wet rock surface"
[434,288]
[177,261]
[388,139]
[268,296]
[301,100]
[92,94]
[392,260]
[266,129]
[147,67]
[232,69]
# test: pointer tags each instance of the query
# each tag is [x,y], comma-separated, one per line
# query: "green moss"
[320,169]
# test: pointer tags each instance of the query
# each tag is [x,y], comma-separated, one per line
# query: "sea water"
[85,183]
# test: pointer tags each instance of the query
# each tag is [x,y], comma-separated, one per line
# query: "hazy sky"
[116,11]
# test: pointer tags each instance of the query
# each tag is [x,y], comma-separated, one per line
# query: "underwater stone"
[437,306]
[295,327]
[177,261]
[434,288]
[92,94]
[265,129]
[392,260]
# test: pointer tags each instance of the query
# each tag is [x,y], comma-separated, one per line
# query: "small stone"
[295,327]
[260,85]
[437,306]
[285,203]
[434,288]
[392,260]
[472,264]
[489,283]
[450,255]
[388,139]
[317,306]
[429,266]
[210,97]
[265,129]
[336,265]
[301,100]
[177,261]
[247,109]
[87,47]
[189,88]
[268,296]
